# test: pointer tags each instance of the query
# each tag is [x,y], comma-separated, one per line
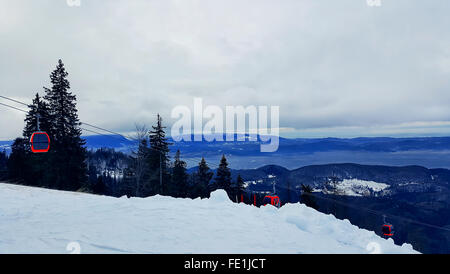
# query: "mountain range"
[430,152]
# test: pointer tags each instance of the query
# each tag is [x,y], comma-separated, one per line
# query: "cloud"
[327,64]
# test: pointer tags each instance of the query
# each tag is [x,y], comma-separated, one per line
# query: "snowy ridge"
[35,220]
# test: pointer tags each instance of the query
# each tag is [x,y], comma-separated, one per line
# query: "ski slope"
[35,220]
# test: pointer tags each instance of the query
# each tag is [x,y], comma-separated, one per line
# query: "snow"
[355,187]
[36,220]
[247,183]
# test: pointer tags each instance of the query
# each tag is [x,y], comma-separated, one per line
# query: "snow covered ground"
[356,187]
[35,220]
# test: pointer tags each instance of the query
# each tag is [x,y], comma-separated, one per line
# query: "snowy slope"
[34,220]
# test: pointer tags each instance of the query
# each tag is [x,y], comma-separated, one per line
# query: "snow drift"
[35,220]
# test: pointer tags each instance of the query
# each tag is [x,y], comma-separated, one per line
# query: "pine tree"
[141,169]
[100,186]
[38,108]
[92,176]
[159,160]
[223,176]
[18,162]
[179,177]
[201,180]
[38,119]
[3,165]
[137,174]
[237,188]
[3,159]
[128,184]
[69,170]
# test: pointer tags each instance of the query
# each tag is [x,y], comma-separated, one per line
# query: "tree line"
[64,166]
[150,170]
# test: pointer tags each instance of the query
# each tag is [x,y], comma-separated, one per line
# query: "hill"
[366,192]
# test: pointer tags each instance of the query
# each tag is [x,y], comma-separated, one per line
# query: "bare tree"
[139,155]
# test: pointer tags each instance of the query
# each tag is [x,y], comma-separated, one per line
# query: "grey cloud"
[327,64]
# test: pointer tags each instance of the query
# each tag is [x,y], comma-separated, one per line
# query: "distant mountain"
[117,142]
[298,145]
[430,152]
[407,179]
[6,145]
[94,142]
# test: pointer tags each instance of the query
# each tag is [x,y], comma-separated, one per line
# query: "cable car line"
[96,132]
[106,130]
[6,105]
[103,129]
[191,160]
[114,136]
[13,100]
[134,139]
[46,149]
[94,126]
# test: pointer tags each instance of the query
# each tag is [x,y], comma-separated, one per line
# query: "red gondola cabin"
[40,142]
[387,230]
[271,200]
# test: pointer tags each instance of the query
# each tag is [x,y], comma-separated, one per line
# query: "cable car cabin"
[40,142]
[271,200]
[387,230]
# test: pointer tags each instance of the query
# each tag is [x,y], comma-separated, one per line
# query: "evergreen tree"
[100,185]
[179,177]
[38,108]
[18,164]
[69,170]
[128,184]
[3,165]
[140,168]
[3,160]
[223,176]
[158,160]
[92,176]
[201,180]
[238,188]
[38,119]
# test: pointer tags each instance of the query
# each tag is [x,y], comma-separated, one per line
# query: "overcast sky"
[335,68]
